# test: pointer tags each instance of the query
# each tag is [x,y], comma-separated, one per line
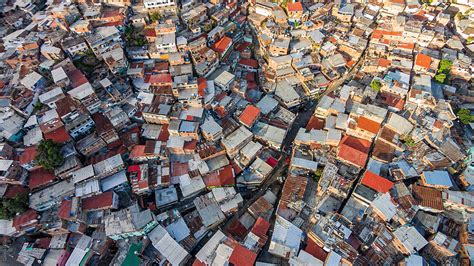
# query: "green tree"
[376,85]
[154,17]
[440,77]
[408,140]
[445,66]
[465,116]
[10,207]
[443,70]
[49,154]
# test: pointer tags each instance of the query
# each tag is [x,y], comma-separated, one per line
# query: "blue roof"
[438,178]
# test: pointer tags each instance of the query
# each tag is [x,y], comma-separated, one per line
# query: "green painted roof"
[131,258]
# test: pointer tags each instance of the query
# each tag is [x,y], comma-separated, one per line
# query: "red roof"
[354,150]
[197,262]
[137,151]
[40,177]
[59,135]
[248,62]
[158,78]
[294,7]
[423,60]
[149,33]
[64,211]
[315,250]
[97,202]
[408,46]
[250,76]
[376,182]
[77,78]
[272,161]
[221,178]
[237,229]
[28,155]
[393,101]
[242,46]
[315,123]
[249,115]
[260,228]
[24,218]
[202,85]
[368,125]
[384,62]
[43,242]
[14,190]
[164,133]
[222,45]
[242,256]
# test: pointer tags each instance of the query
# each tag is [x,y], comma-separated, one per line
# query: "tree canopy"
[10,207]
[443,71]
[49,154]
[465,116]
[376,84]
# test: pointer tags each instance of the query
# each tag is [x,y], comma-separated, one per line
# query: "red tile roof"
[249,115]
[98,202]
[428,197]
[220,178]
[40,177]
[423,60]
[43,242]
[149,33]
[202,85]
[382,62]
[376,182]
[158,78]
[354,150]
[77,78]
[260,228]
[28,155]
[164,133]
[315,250]
[315,123]
[64,211]
[368,124]
[249,62]
[222,45]
[24,218]
[295,7]
[59,135]
[242,46]
[242,256]
[14,190]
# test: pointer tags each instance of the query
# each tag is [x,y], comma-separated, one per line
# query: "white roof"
[384,204]
[286,237]
[58,74]
[236,137]
[189,185]
[167,246]
[5,164]
[33,137]
[50,95]
[108,164]
[81,91]
[30,80]
[87,188]
[410,238]
[286,92]
[206,253]
[267,104]
[211,127]
[224,78]
[83,173]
